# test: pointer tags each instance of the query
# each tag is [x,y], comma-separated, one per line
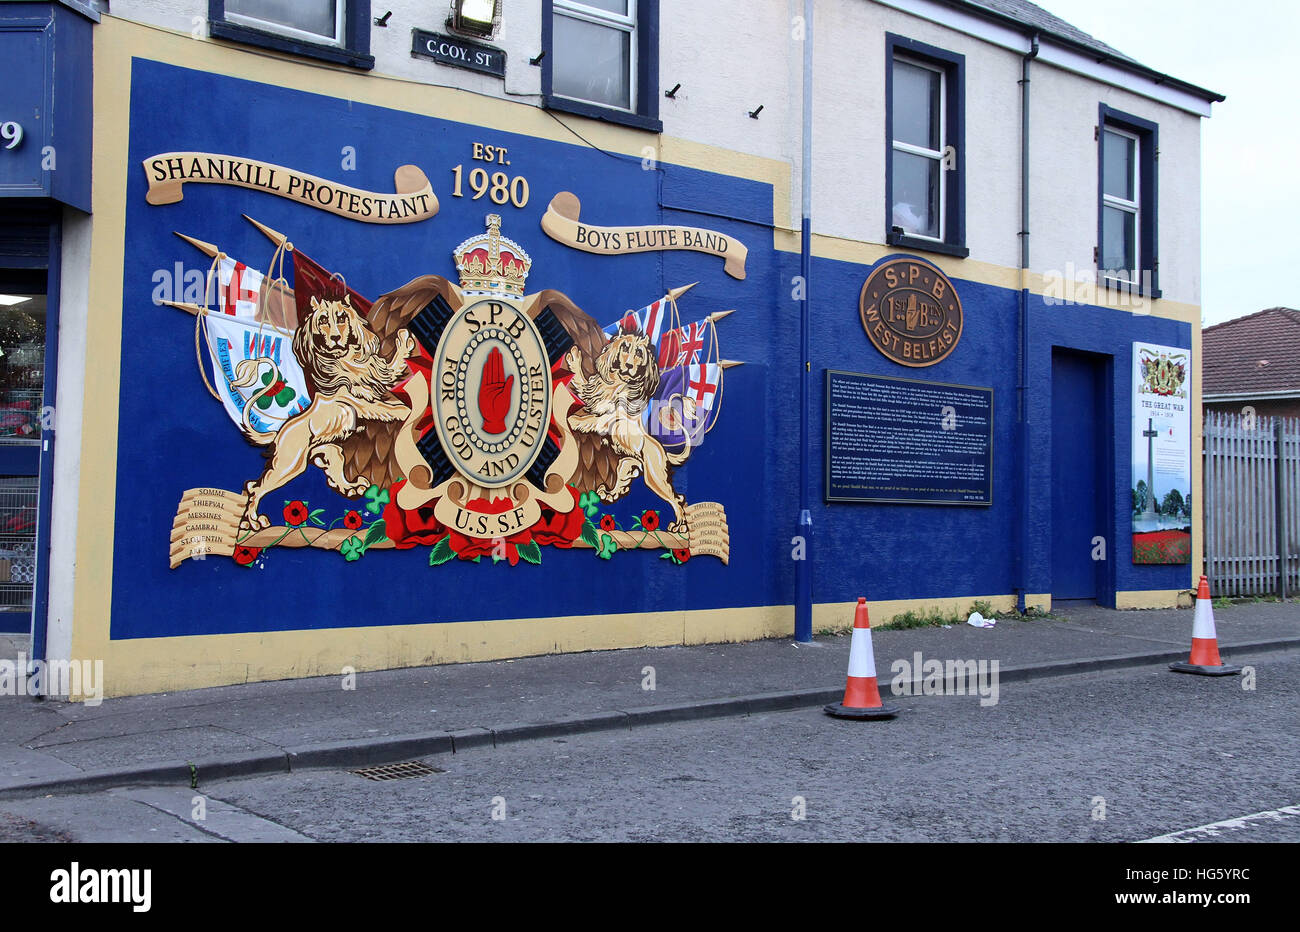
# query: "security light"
[476,17]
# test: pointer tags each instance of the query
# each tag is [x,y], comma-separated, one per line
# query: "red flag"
[310,280]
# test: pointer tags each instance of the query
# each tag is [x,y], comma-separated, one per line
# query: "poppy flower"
[246,555]
[559,529]
[295,513]
[352,520]
[650,520]
[607,523]
[407,529]
[682,555]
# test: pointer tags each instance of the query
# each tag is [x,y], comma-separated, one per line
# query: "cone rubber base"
[1226,670]
[840,710]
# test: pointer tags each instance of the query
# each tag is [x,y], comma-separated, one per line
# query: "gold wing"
[369,453]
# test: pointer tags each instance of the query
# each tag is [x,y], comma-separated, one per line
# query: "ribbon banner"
[562,225]
[414,200]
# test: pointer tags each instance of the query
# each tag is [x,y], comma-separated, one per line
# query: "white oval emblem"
[492,401]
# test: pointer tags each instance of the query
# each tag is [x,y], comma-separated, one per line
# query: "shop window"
[1126,224]
[925,162]
[602,59]
[23,420]
[333,30]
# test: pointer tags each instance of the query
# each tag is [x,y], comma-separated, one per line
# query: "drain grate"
[402,771]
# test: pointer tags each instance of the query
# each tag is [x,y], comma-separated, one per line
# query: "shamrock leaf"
[590,503]
[352,549]
[607,547]
[376,499]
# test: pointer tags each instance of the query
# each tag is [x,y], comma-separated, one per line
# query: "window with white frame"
[919,139]
[594,52]
[1121,207]
[925,120]
[320,21]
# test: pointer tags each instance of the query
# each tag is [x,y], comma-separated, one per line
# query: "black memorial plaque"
[904,440]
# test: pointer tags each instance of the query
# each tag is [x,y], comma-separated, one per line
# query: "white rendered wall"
[730,56]
[1063,179]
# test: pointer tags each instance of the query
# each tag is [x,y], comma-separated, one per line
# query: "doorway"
[24,419]
[1081,486]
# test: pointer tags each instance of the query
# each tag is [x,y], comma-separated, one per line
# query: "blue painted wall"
[173,436]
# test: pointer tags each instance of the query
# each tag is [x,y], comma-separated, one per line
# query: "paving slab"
[261,727]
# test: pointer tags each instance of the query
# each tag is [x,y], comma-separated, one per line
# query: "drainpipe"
[1022,368]
[803,568]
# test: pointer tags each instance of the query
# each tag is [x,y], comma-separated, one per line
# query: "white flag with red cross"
[238,288]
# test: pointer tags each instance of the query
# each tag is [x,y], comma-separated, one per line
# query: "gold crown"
[491,263]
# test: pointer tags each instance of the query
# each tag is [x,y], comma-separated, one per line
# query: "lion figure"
[625,380]
[352,384]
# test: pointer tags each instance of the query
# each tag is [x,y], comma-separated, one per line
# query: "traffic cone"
[1205,642]
[861,694]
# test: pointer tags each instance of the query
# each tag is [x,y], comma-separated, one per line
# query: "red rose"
[352,520]
[295,513]
[650,520]
[683,554]
[560,528]
[407,529]
[246,555]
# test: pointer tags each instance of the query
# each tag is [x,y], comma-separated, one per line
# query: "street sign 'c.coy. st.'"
[911,312]
[458,53]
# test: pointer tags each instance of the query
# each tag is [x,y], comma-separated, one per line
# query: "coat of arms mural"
[470,417]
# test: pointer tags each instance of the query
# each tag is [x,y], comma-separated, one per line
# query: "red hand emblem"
[494,393]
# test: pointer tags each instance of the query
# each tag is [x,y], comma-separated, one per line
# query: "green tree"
[1173,503]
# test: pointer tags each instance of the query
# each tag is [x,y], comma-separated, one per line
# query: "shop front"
[44,177]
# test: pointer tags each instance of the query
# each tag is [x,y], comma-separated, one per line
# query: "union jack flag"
[682,346]
[650,320]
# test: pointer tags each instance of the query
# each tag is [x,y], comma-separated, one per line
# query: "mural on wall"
[468,417]
[1162,461]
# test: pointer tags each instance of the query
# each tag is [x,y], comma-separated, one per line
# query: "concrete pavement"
[181,739]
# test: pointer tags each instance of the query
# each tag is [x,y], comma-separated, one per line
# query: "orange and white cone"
[1204,658]
[861,694]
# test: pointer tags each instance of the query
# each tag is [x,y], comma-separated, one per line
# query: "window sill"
[269,40]
[926,245]
[1125,287]
[597,112]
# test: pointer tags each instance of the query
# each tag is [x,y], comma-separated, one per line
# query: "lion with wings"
[355,364]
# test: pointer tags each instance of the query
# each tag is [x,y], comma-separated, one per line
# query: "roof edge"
[1246,395]
[1127,64]
[1245,317]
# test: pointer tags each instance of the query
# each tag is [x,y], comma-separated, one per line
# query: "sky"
[1248,50]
